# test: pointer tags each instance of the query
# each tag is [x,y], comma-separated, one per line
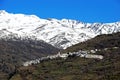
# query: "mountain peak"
[3,12]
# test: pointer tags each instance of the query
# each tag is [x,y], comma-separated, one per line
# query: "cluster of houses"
[80,53]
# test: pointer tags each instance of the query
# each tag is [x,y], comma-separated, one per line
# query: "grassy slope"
[77,68]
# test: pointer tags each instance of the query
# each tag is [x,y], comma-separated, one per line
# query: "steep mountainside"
[99,42]
[59,33]
[77,68]
[13,52]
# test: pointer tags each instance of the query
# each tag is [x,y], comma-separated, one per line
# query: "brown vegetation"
[14,52]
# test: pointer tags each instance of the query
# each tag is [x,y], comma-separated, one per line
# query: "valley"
[32,48]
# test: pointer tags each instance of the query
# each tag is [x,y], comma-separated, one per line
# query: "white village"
[80,53]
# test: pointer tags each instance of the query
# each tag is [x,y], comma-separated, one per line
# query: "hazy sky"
[82,10]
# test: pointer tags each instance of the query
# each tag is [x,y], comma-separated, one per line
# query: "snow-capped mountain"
[60,33]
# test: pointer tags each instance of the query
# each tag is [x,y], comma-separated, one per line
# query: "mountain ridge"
[59,33]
